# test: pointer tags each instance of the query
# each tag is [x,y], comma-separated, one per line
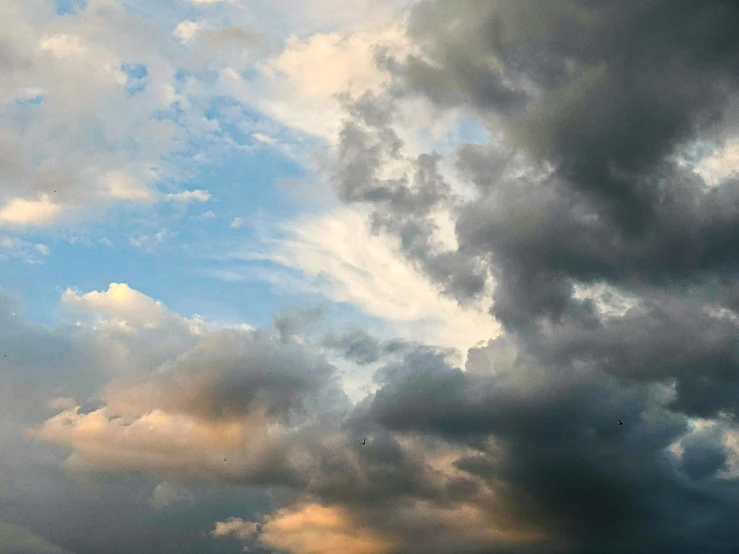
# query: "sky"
[382,277]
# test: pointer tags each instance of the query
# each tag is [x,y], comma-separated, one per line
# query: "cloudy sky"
[240,237]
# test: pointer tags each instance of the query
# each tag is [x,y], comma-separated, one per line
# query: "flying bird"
[363,440]
[620,422]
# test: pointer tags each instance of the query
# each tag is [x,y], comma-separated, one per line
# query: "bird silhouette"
[620,422]
[363,441]
[224,459]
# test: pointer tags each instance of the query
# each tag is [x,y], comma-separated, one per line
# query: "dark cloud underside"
[595,100]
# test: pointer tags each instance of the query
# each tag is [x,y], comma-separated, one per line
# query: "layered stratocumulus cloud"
[583,259]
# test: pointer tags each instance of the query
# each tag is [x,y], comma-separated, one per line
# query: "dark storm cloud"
[626,84]
[610,87]
[595,98]
[547,224]
[565,462]
[668,340]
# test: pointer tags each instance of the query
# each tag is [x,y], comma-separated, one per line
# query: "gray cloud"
[362,348]
[582,191]
[404,204]
[609,87]
[704,455]
[507,456]
[230,373]
[558,456]
[40,497]
[614,264]
[614,270]
[234,35]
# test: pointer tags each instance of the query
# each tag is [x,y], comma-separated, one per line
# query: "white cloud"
[96,144]
[22,212]
[263,138]
[721,164]
[64,46]
[236,527]
[189,196]
[119,302]
[149,243]
[128,330]
[210,214]
[87,141]
[348,264]
[325,64]
[125,187]
[126,309]
[237,223]
[15,247]
[298,85]
[187,30]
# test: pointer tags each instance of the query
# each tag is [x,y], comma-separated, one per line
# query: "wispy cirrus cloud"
[347,263]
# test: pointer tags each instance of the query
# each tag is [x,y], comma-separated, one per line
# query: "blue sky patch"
[137,76]
[67,7]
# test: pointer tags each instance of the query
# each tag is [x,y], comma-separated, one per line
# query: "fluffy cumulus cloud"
[302,82]
[583,259]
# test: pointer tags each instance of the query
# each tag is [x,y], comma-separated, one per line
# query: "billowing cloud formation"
[613,265]
[505,455]
[612,258]
[45,370]
[240,395]
[583,189]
